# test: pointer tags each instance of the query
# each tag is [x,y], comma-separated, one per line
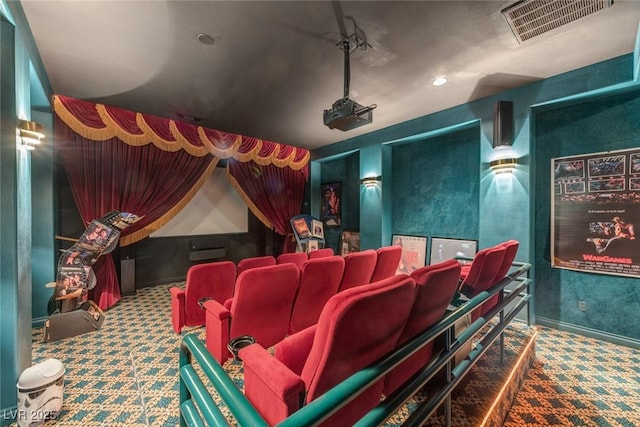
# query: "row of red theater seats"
[356,328]
[489,266]
[347,336]
[317,282]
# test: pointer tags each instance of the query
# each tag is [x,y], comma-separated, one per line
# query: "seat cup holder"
[237,343]
[201,301]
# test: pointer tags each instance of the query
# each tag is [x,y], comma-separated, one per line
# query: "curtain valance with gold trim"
[99,122]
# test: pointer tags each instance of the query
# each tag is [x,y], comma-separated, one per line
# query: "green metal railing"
[197,407]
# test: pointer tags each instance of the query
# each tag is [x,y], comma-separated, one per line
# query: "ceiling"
[274,67]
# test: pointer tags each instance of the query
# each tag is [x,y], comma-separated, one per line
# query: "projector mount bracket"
[349,44]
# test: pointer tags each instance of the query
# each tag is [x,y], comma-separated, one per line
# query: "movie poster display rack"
[309,233]
[72,311]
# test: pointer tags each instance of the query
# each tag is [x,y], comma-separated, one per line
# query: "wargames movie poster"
[595,207]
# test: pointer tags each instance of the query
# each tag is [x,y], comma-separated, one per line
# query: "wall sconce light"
[503,124]
[371,181]
[30,133]
[503,165]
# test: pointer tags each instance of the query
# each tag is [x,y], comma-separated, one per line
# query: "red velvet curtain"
[150,166]
[144,180]
[274,193]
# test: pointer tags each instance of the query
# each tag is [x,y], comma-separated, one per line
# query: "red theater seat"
[435,288]
[386,262]
[297,258]
[254,262]
[358,268]
[319,281]
[211,280]
[511,248]
[482,273]
[356,328]
[319,253]
[261,307]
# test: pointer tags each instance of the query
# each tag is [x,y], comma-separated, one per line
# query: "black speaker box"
[503,124]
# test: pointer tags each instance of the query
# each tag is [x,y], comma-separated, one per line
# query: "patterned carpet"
[578,381]
[125,374]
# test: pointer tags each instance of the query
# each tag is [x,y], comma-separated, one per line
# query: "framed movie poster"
[330,208]
[414,252]
[595,201]
[349,242]
[443,249]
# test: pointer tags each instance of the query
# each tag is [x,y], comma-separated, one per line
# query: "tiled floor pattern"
[125,374]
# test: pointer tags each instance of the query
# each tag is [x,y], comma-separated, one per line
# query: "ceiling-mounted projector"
[346,114]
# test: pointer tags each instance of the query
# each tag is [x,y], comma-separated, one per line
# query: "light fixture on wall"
[503,124]
[30,133]
[503,165]
[371,181]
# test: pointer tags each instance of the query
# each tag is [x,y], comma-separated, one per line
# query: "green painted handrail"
[239,406]
[333,400]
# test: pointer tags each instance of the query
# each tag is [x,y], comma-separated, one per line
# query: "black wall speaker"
[503,124]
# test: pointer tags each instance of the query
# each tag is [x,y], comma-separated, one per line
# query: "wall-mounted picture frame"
[317,229]
[330,206]
[349,242]
[592,221]
[444,248]
[414,252]
[312,245]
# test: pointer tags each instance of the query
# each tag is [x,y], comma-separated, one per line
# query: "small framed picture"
[414,252]
[301,228]
[443,249]
[330,207]
[312,245]
[349,242]
[317,229]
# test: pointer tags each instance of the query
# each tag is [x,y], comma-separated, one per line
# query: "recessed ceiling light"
[205,38]
[439,81]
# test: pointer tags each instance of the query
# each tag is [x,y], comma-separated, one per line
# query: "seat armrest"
[217,323]
[177,308]
[270,386]
[294,350]
[175,292]
[215,309]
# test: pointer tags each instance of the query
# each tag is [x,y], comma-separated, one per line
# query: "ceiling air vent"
[531,18]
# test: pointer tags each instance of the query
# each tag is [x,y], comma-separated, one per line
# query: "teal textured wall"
[513,205]
[43,252]
[20,66]
[436,189]
[11,360]
[607,123]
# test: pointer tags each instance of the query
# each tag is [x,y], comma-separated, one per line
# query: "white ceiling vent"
[531,18]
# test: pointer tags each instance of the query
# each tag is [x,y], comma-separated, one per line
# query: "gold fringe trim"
[301,163]
[248,201]
[113,129]
[223,153]
[156,140]
[157,224]
[95,134]
[188,146]
[134,139]
[265,161]
[245,157]
[281,163]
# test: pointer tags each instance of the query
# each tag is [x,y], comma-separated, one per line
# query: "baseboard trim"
[38,322]
[588,332]
[165,281]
